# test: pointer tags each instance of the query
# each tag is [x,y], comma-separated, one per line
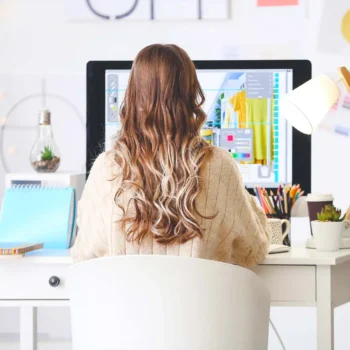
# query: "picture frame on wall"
[272,9]
[146,10]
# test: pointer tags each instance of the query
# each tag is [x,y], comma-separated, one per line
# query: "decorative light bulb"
[45,157]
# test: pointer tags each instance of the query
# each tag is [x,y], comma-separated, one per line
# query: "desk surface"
[297,256]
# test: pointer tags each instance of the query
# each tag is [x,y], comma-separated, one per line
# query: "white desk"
[299,278]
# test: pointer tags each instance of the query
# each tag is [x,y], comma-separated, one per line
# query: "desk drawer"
[289,283]
[31,281]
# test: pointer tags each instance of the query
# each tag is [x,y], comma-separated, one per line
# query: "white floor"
[57,345]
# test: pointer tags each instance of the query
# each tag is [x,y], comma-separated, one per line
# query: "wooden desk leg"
[28,331]
[325,310]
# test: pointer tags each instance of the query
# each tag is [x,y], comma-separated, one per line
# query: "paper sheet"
[280,12]
[277,2]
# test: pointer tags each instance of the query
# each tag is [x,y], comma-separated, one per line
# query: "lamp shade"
[306,106]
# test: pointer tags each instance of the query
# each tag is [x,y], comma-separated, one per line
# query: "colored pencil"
[280,203]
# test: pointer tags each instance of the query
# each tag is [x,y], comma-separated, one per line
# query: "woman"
[163,189]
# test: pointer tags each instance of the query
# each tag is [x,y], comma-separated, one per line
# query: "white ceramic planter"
[327,235]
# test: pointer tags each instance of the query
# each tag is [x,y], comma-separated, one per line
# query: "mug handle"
[287,229]
[346,225]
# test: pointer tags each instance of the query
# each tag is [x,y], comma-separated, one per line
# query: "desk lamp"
[306,106]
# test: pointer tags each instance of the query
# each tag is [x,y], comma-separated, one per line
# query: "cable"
[278,336]
[43,91]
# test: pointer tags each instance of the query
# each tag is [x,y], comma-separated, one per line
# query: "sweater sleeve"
[92,241]
[252,233]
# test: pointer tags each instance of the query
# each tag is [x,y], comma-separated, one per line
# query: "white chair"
[167,303]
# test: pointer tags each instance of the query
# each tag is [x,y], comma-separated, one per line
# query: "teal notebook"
[38,214]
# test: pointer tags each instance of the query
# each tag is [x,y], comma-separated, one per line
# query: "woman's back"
[162,189]
[237,234]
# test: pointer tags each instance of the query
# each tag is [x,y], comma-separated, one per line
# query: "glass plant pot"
[45,156]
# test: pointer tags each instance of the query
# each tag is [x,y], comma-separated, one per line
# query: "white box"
[76,181]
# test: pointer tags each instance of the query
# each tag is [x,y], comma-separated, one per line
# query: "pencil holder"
[279,204]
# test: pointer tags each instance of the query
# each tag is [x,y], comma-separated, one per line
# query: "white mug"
[278,234]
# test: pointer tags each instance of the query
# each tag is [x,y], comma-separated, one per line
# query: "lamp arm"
[345,75]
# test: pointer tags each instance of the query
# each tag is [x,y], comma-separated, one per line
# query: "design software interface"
[243,117]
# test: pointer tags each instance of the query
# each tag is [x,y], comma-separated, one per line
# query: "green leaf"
[330,213]
[47,154]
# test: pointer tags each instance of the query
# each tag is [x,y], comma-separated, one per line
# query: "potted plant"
[48,162]
[328,229]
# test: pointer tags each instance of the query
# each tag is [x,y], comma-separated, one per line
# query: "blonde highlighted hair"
[159,149]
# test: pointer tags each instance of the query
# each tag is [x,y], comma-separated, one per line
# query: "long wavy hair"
[159,149]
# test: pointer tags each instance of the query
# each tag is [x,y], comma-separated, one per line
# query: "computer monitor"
[243,117]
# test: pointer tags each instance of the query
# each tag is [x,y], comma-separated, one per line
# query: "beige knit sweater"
[238,234]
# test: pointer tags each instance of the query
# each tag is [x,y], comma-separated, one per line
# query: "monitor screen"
[243,118]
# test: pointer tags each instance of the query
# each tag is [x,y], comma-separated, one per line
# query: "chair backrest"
[167,303]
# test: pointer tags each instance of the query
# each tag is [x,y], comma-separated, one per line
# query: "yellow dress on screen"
[239,101]
[257,119]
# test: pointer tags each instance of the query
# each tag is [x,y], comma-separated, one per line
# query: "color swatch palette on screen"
[242,156]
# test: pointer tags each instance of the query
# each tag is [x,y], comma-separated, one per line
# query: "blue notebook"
[38,214]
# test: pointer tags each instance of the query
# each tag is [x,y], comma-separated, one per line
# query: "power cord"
[278,336]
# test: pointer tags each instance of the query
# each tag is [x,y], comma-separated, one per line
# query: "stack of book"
[18,249]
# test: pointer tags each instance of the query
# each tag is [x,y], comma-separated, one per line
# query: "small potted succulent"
[47,161]
[328,229]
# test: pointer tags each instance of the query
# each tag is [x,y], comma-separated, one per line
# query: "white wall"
[36,41]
